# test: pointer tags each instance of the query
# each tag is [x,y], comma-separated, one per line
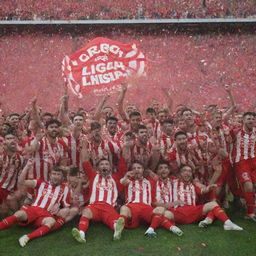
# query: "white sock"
[228,222]
[150,230]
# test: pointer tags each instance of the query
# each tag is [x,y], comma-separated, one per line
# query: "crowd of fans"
[146,9]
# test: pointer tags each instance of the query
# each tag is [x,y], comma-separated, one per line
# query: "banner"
[101,65]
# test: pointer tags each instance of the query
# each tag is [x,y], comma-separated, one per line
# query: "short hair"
[162,111]
[142,126]
[77,114]
[73,171]
[186,109]
[162,162]
[10,132]
[57,168]
[168,121]
[14,114]
[7,124]
[185,165]
[135,113]
[248,114]
[129,134]
[136,162]
[47,114]
[150,110]
[52,121]
[95,125]
[112,118]
[108,107]
[100,160]
[179,133]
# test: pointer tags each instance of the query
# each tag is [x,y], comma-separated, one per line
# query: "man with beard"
[186,192]
[142,150]
[47,150]
[180,153]
[73,140]
[135,121]
[11,163]
[49,195]
[245,161]
[104,187]
[151,118]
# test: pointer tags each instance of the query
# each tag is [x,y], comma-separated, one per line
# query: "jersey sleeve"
[88,170]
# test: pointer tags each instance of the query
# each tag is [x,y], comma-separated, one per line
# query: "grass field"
[133,242]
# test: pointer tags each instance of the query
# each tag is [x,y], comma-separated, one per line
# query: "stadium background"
[195,59]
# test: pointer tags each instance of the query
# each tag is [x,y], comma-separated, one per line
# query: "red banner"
[101,65]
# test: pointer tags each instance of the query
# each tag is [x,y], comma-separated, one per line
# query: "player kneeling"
[184,189]
[48,195]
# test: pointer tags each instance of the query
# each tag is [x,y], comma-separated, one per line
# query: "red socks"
[249,198]
[59,223]
[39,232]
[166,223]
[7,222]
[211,216]
[156,220]
[83,224]
[220,214]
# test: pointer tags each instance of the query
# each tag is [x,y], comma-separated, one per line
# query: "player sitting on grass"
[186,191]
[139,195]
[104,187]
[49,195]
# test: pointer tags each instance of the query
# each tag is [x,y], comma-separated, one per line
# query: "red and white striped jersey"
[244,145]
[99,151]
[51,197]
[74,148]
[104,189]
[157,129]
[166,142]
[140,191]
[10,168]
[185,192]
[141,153]
[164,191]
[180,158]
[46,156]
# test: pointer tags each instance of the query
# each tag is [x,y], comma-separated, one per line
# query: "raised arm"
[63,113]
[35,113]
[120,102]
[100,107]
[168,98]
[24,173]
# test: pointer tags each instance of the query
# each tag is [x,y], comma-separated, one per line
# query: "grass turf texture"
[133,242]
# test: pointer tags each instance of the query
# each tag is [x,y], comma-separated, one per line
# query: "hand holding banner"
[101,66]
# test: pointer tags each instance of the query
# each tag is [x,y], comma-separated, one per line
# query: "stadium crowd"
[164,165]
[150,9]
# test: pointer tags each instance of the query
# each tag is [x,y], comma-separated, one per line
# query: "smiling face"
[181,142]
[186,174]
[10,142]
[188,117]
[248,122]
[137,170]
[163,171]
[52,130]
